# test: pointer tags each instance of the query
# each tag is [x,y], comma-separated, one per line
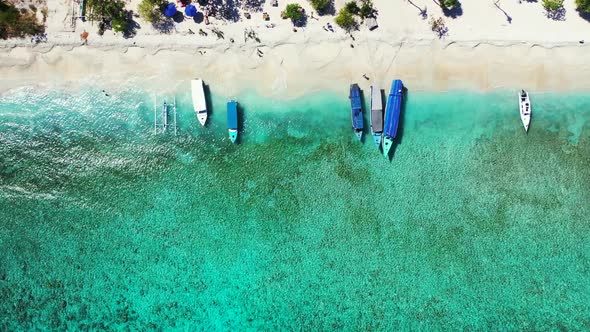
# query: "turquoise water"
[472,225]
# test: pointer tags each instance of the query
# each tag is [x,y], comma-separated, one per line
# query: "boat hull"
[525,109]
[232,120]
[233,135]
[387,144]
[392,114]
[377,139]
[359,134]
[376,115]
[356,110]
[199,101]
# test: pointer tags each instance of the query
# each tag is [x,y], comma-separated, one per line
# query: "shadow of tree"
[508,17]
[301,22]
[453,12]
[584,15]
[556,15]
[251,5]
[223,9]
[165,25]
[422,12]
[330,9]
[131,30]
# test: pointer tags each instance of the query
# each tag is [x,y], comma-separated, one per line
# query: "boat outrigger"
[356,110]
[392,112]
[163,124]
[232,120]
[525,109]
[199,102]
[376,115]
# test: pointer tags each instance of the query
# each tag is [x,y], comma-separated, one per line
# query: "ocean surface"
[472,224]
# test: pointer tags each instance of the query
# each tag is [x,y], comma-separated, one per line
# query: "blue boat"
[232,120]
[392,111]
[356,110]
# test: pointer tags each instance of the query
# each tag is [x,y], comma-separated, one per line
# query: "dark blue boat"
[356,110]
[392,111]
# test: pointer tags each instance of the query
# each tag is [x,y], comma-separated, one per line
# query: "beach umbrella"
[190,10]
[170,10]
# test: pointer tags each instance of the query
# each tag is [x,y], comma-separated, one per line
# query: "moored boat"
[199,101]
[164,116]
[376,115]
[525,109]
[232,120]
[356,110]
[392,112]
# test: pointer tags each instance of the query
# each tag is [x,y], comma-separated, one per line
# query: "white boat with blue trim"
[199,101]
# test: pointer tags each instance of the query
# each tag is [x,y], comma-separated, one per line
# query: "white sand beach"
[482,51]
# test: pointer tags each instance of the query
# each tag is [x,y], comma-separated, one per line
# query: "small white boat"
[376,115]
[525,109]
[199,101]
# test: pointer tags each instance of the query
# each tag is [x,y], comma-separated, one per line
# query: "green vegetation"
[450,4]
[552,5]
[352,7]
[367,9]
[346,20]
[15,23]
[295,12]
[321,6]
[583,6]
[346,16]
[106,11]
[438,26]
[150,10]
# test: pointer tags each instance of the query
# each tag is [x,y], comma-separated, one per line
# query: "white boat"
[376,115]
[525,109]
[199,102]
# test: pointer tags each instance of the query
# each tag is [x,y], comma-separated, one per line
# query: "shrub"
[321,6]
[583,5]
[450,4]
[15,24]
[367,9]
[438,26]
[552,5]
[295,12]
[554,9]
[346,20]
[106,9]
[352,7]
[150,11]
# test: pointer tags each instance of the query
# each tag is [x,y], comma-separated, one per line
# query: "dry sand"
[482,51]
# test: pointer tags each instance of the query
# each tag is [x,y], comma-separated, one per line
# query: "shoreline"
[481,53]
[289,70]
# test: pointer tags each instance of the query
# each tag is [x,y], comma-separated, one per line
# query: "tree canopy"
[150,11]
[346,20]
[321,6]
[352,7]
[583,5]
[295,12]
[552,5]
[367,9]
[13,23]
[450,4]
